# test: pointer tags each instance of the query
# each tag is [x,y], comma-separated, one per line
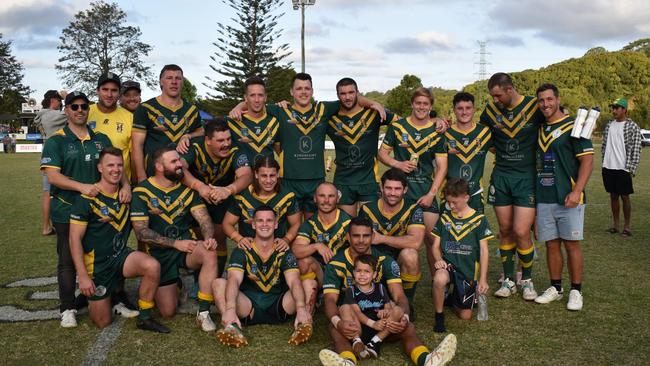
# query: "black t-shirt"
[369,302]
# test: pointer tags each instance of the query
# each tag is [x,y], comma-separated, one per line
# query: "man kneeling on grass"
[346,329]
[460,244]
[262,286]
[99,230]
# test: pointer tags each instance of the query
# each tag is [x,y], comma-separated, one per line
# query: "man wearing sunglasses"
[70,159]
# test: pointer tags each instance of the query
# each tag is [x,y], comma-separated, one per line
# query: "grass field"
[613,328]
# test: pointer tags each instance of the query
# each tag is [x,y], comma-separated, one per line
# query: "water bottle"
[482,308]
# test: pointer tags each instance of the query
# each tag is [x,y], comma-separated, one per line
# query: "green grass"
[612,328]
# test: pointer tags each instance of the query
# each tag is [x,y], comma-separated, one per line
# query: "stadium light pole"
[301,4]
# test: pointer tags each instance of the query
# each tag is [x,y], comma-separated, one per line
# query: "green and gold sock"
[205,301]
[526,257]
[409,283]
[145,308]
[349,356]
[419,355]
[222,258]
[508,259]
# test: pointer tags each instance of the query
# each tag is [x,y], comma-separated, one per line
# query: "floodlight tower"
[301,4]
[482,68]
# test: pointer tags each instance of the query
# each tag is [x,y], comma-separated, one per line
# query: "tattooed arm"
[148,236]
[201,215]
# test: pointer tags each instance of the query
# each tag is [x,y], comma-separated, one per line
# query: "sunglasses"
[75,107]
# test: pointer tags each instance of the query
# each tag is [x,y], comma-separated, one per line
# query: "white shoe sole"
[331,358]
[447,348]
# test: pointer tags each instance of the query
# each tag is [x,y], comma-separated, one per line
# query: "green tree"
[98,41]
[641,45]
[244,49]
[12,90]
[278,83]
[399,98]
[189,92]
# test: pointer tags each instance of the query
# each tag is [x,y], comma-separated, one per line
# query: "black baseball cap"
[109,76]
[74,96]
[52,94]
[130,84]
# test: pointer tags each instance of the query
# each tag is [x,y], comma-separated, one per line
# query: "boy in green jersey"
[162,213]
[262,286]
[514,122]
[339,276]
[165,120]
[99,231]
[564,165]
[461,253]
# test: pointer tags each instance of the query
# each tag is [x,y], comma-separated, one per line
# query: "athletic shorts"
[357,193]
[267,309]
[462,291]
[45,183]
[617,181]
[170,261]
[304,190]
[367,333]
[111,275]
[218,212]
[434,208]
[511,191]
[556,221]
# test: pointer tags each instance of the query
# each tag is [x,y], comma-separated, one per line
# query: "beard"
[173,175]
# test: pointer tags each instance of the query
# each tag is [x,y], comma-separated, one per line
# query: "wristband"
[335,320]
[370,323]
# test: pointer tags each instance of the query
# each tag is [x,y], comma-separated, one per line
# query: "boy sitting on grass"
[368,303]
[460,249]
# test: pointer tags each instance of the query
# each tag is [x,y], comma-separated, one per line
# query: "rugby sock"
[222,258]
[440,323]
[419,355]
[409,283]
[205,301]
[526,257]
[576,286]
[349,356]
[145,307]
[508,259]
[557,284]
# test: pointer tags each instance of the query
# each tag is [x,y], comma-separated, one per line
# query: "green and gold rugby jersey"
[264,276]
[164,125]
[261,133]
[557,163]
[216,171]
[514,134]
[302,138]
[333,235]
[407,141]
[355,140]
[167,209]
[467,151]
[460,241]
[339,272]
[408,215]
[76,159]
[283,203]
[107,229]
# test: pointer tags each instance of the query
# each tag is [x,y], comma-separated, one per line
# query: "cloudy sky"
[373,41]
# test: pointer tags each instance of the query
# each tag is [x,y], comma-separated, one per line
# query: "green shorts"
[388,250]
[110,274]
[170,261]
[351,194]
[267,309]
[218,212]
[304,190]
[511,191]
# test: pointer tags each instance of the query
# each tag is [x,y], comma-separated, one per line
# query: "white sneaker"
[121,310]
[575,300]
[69,318]
[507,288]
[550,294]
[528,290]
[443,353]
[330,358]
[205,322]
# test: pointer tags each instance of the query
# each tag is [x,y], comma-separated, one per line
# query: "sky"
[375,42]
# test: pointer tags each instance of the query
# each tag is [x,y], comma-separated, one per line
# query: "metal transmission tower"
[482,70]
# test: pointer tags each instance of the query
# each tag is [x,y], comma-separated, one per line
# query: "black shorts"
[367,333]
[617,182]
[463,292]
